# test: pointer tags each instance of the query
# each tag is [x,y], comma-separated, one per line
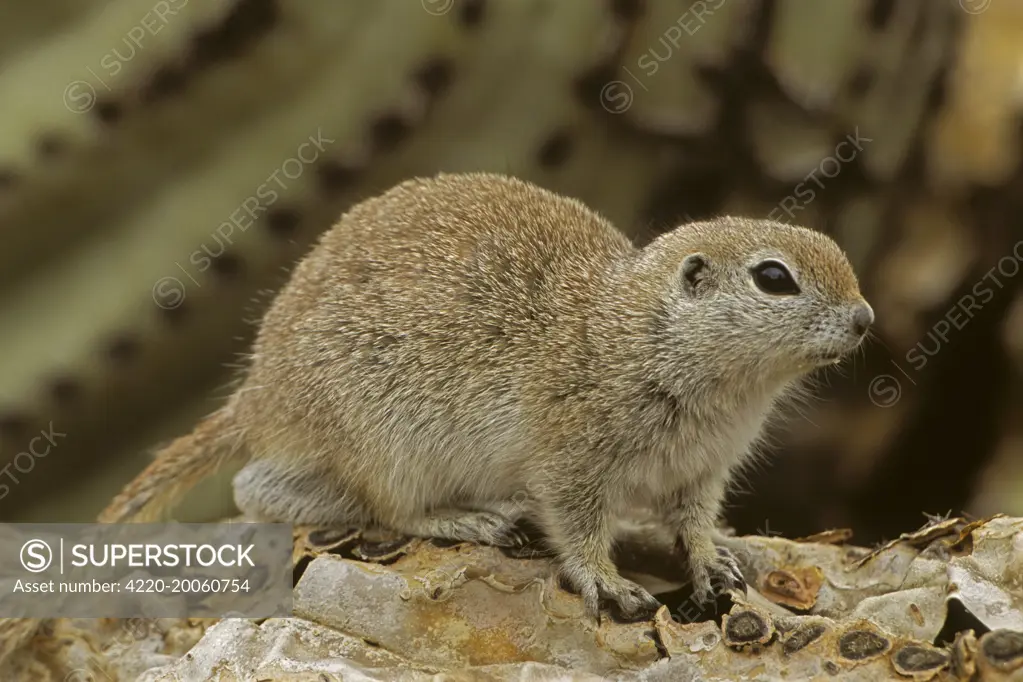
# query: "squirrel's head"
[765,298]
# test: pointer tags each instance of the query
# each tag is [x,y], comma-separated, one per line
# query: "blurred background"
[163,163]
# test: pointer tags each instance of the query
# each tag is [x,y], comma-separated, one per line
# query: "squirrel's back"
[421,324]
[449,245]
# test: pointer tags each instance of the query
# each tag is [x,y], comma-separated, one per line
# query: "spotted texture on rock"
[745,627]
[1003,648]
[861,645]
[802,637]
[915,658]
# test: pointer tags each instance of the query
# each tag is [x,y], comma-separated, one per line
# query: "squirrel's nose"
[862,319]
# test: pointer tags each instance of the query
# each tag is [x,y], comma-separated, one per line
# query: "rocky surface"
[944,602]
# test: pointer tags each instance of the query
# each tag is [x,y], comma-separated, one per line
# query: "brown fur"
[465,350]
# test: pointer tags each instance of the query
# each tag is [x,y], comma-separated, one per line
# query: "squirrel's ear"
[695,268]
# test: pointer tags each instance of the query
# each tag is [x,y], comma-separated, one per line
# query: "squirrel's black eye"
[774,278]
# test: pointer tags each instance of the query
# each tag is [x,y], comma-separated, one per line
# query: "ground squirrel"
[466,350]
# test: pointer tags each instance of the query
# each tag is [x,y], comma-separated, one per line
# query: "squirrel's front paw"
[631,601]
[715,572]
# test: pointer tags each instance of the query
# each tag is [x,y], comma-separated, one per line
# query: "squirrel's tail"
[215,441]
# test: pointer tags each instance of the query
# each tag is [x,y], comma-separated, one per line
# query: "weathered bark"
[938,603]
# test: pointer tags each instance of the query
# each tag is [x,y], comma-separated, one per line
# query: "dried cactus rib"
[526,617]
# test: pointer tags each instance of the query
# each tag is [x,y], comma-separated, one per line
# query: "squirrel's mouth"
[829,358]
